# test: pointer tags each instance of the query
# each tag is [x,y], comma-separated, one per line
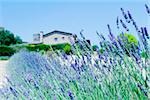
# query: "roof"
[56,32]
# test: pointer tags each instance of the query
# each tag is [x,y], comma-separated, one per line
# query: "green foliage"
[129,42]
[18,40]
[6,51]
[67,48]
[131,39]
[42,48]
[95,47]
[37,47]
[101,51]
[144,54]
[8,38]
[62,47]
[59,46]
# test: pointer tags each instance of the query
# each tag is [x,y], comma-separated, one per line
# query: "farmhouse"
[54,37]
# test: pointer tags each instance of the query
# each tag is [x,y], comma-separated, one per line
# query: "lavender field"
[117,71]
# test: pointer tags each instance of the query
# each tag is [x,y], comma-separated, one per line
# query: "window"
[36,37]
[55,39]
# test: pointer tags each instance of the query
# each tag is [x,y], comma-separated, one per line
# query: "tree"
[129,42]
[6,50]
[18,40]
[8,38]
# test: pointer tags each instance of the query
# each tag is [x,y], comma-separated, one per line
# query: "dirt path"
[2,72]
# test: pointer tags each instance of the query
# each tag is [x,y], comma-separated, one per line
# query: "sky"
[26,17]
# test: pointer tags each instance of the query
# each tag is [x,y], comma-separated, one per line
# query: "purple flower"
[143,35]
[145,32]
[136,27]
[117,22]
[147,9]
[101,36]
[82,34]
[70,95]
[109,29]
[129,15]
[14,92]
[125,15]
[124,25]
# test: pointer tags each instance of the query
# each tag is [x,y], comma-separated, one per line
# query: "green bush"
[129,42]
[6,51]
[8,38]
[67,48]
[59,46]
[131,39]
[38,47]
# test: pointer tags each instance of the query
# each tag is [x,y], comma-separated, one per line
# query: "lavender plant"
[84,76]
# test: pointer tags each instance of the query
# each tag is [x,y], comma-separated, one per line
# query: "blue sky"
[27,17]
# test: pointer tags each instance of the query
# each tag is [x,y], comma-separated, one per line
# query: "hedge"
[10,50]
[66,47]
[38,47]
[59,46]
[6,51]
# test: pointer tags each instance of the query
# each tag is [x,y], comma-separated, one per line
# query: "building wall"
[36,37]
[57,39]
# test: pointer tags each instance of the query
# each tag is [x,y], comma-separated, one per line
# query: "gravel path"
[2,72]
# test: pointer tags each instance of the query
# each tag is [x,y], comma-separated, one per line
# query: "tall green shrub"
[8,38]
[67,48]
[6,51]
